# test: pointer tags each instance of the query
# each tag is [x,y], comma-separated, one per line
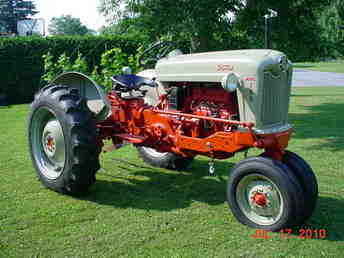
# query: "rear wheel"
[62,140]
[163,159]
[307,180]
[264,193]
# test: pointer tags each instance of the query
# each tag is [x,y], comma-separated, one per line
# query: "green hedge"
[21,62]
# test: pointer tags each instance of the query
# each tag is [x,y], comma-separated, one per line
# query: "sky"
[86,10]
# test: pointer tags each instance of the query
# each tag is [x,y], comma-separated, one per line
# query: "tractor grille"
[274,100]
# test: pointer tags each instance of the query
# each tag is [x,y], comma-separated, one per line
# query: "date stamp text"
[288,233]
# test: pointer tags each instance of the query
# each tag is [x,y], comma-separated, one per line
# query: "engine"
[205,100]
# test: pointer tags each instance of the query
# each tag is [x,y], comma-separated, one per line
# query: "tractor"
[214,104]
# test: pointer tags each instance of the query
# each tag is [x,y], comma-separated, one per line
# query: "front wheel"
[305,175]
[163,159]
[263,193]
[62,140]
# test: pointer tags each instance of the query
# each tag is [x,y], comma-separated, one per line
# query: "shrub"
[63,64]
[112,62]
[22,65]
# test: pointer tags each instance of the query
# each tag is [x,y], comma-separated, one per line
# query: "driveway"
[306,78]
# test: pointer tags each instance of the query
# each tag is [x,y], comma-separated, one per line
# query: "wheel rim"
[259,199]
[47,143]
[154,153]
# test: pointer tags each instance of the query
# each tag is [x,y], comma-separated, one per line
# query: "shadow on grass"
[151,188]
[328,216]
[324,122]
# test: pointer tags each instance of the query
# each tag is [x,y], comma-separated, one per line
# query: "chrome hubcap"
[48,143]
[53,142]
[259,199]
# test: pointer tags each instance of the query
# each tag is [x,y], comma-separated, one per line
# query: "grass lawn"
[337,67]
[135,210]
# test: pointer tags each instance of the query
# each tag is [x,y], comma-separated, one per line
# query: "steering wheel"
[155,52]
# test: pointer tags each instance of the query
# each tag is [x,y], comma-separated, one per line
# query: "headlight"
[230,82]
[284,63]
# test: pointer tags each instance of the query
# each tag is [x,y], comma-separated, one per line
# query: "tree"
[12,11]
[295,30]
[195,20]
[303,29]
[67,25]
[331,19]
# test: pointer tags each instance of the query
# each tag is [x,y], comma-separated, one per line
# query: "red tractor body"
[203,127]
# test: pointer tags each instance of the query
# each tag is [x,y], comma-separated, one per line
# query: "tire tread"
[83,165]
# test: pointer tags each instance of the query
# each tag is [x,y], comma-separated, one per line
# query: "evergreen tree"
[12,11]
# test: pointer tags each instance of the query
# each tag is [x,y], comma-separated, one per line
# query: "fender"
[97,100]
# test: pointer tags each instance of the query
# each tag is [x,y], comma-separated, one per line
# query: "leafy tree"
[330,20]
[295,30]
[67,25]
[197,21]
[134,26]
[304,29]
[12,11]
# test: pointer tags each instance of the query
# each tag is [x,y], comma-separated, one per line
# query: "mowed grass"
[135,210]
[336,66]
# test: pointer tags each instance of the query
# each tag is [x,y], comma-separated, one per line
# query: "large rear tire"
[163,159]
[263,193]
[62,140]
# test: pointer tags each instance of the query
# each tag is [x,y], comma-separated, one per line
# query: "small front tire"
[263,193]
[307,180]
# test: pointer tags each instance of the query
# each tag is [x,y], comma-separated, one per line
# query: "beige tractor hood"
[213,66]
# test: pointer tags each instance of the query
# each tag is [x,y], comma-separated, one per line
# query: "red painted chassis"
[174,131]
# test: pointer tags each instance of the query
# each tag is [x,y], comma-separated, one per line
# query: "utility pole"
[271,14]
[267,33]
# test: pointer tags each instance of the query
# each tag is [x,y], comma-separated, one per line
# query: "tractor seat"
[130,82]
